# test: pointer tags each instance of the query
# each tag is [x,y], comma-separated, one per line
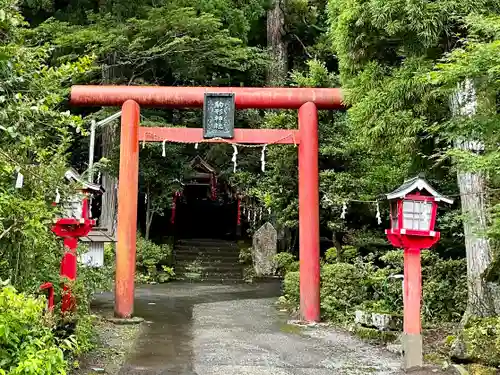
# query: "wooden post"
[309,213]
[412,338]
[68,270]
[128,180]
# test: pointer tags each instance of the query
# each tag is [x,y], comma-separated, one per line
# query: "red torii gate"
[306,100]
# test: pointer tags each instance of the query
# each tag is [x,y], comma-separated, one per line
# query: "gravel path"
[197,329]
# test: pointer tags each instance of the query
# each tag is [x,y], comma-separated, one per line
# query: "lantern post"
[413,218]
[76,223]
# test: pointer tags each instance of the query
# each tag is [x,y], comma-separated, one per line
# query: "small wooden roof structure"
[201,170]
[73,176]
[98,235]
[420,184]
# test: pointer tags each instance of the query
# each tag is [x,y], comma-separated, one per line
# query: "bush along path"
[364,295]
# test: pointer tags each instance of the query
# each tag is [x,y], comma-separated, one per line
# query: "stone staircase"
[207,260]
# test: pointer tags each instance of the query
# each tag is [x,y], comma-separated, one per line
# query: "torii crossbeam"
[306,100]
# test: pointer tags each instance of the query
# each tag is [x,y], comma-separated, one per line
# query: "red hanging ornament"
[174,205]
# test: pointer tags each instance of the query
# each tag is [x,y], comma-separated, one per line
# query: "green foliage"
[482,342]
[153,261]
[371,286]
[285,262]
[348,254]
[291,289]
[331,255]
[245,256]
[341,289]
[35,134]
[27,343]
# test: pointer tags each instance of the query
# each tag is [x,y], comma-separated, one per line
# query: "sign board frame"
[226,130]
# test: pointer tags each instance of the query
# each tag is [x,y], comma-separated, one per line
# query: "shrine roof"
[73,176]
[200,162]
[417,183]
[98,235]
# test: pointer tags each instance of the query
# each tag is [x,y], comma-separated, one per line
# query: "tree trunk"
[472,192]
[276,44]
[109,182]
[149,215]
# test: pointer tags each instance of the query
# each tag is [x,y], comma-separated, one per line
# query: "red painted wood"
[192,97]
[68,270]
[127,210]
[309,213]
[195,135]
[50,297]
[412,291]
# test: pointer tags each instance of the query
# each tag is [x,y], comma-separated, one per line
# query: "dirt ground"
[114,343]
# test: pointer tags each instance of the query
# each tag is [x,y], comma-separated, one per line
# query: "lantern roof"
[73,176]
[417,183]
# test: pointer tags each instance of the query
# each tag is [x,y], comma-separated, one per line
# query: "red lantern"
[413,214]
[413,219]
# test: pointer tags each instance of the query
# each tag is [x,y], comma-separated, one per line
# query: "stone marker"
[264,249]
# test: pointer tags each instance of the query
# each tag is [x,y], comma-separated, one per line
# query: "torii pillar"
[306,100]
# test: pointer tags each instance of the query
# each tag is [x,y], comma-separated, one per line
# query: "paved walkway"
[197,329]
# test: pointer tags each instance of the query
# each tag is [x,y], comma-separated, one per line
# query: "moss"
[476,369]
[481,339]
[450,340]
[291,328]
[435,358]
[375,335]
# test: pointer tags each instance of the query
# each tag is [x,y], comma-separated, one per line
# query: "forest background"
[421,81]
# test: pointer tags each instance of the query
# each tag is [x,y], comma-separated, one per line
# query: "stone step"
[209,254]
[231,257]
[213,280]
[208,260]
[210,276]
[207,243]
[185,248]
[210,267]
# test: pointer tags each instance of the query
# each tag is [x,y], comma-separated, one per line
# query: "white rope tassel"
[263,158]
[379,218]
[344,211]
[235,153]
[196,146]
[19,179]
[164,152]
[58,196]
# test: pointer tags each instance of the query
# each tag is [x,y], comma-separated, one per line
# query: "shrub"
[369,284]
[150,260]
[481,340]
[284,262]
[347,254]
[291,287]
[331,255]
[444,288]
[27,344]
[341,290]
[245,256]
